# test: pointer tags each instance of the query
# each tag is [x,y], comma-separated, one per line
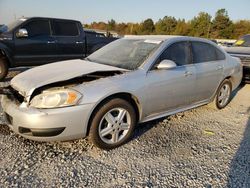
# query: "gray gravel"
[198,148]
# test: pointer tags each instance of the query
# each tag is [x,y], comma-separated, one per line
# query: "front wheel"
[3,68]
[223,95]
[112,124]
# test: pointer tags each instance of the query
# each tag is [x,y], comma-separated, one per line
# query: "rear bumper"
[59,124]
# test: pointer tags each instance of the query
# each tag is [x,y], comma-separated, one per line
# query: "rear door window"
[65,28]
[93,34]
[204,52]
[220,54]
[37,28]
[178,52]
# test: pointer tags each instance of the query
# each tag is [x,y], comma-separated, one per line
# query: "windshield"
[11,26]
[125,53]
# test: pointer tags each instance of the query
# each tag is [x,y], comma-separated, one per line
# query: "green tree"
[201,25]
[98,25]
[121,28]
[241,28]
[111,25]
[135,29]
[166,26]
[182,28]
[222,26]
[147,27]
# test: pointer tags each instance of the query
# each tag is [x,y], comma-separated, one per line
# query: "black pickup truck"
[36,41]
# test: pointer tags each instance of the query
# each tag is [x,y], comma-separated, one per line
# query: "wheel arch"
[216,91]
[233,81]
[4,53]
[122,95]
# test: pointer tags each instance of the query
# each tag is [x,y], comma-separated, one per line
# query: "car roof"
[164,37]
[148,37]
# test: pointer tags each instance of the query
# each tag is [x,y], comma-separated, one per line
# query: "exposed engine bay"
[15,95]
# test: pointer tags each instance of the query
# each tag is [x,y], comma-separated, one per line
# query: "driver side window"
[37,28]
[178,52]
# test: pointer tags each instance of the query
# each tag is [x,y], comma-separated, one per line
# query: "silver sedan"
[132,80]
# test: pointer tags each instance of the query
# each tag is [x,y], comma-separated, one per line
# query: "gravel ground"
[198,148]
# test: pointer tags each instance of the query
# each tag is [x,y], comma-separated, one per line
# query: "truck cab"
[37,41]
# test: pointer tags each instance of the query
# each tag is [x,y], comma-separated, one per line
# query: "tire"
[223,95]
[107,130]
[3,68]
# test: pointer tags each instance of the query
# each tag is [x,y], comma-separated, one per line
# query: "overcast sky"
[119,10]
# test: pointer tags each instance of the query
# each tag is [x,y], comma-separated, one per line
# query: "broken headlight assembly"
[56,98]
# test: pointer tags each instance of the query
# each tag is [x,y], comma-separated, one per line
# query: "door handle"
[79,42]
[51,42]
[187,73]
[219,68]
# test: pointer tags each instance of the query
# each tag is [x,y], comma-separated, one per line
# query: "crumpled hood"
[31,79]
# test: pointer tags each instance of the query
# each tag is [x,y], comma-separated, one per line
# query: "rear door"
[173,88]
[209,62]
[71,44]
[37,48]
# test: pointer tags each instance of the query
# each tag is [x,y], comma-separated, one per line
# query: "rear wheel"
[3,68]
[112,124]
[223,95]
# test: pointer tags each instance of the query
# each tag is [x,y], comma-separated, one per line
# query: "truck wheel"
[3,68]
[112,124]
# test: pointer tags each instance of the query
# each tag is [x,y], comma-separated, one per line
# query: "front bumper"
[58,124]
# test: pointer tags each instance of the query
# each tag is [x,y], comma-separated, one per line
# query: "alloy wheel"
[114,125]
[224,94]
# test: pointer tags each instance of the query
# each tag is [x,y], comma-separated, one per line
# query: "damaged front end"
[11,93]
[75,81]
[46,103]
[66,84]
[55,87]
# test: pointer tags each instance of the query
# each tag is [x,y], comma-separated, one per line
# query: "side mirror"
[166,64]
[22,33]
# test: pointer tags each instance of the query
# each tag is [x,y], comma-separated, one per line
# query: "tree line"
[203,25]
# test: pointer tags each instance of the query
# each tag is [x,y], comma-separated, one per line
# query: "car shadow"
[234,93]
[142,128]
[239,172]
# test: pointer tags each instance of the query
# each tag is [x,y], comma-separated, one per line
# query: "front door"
[173,88]
[38,47]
